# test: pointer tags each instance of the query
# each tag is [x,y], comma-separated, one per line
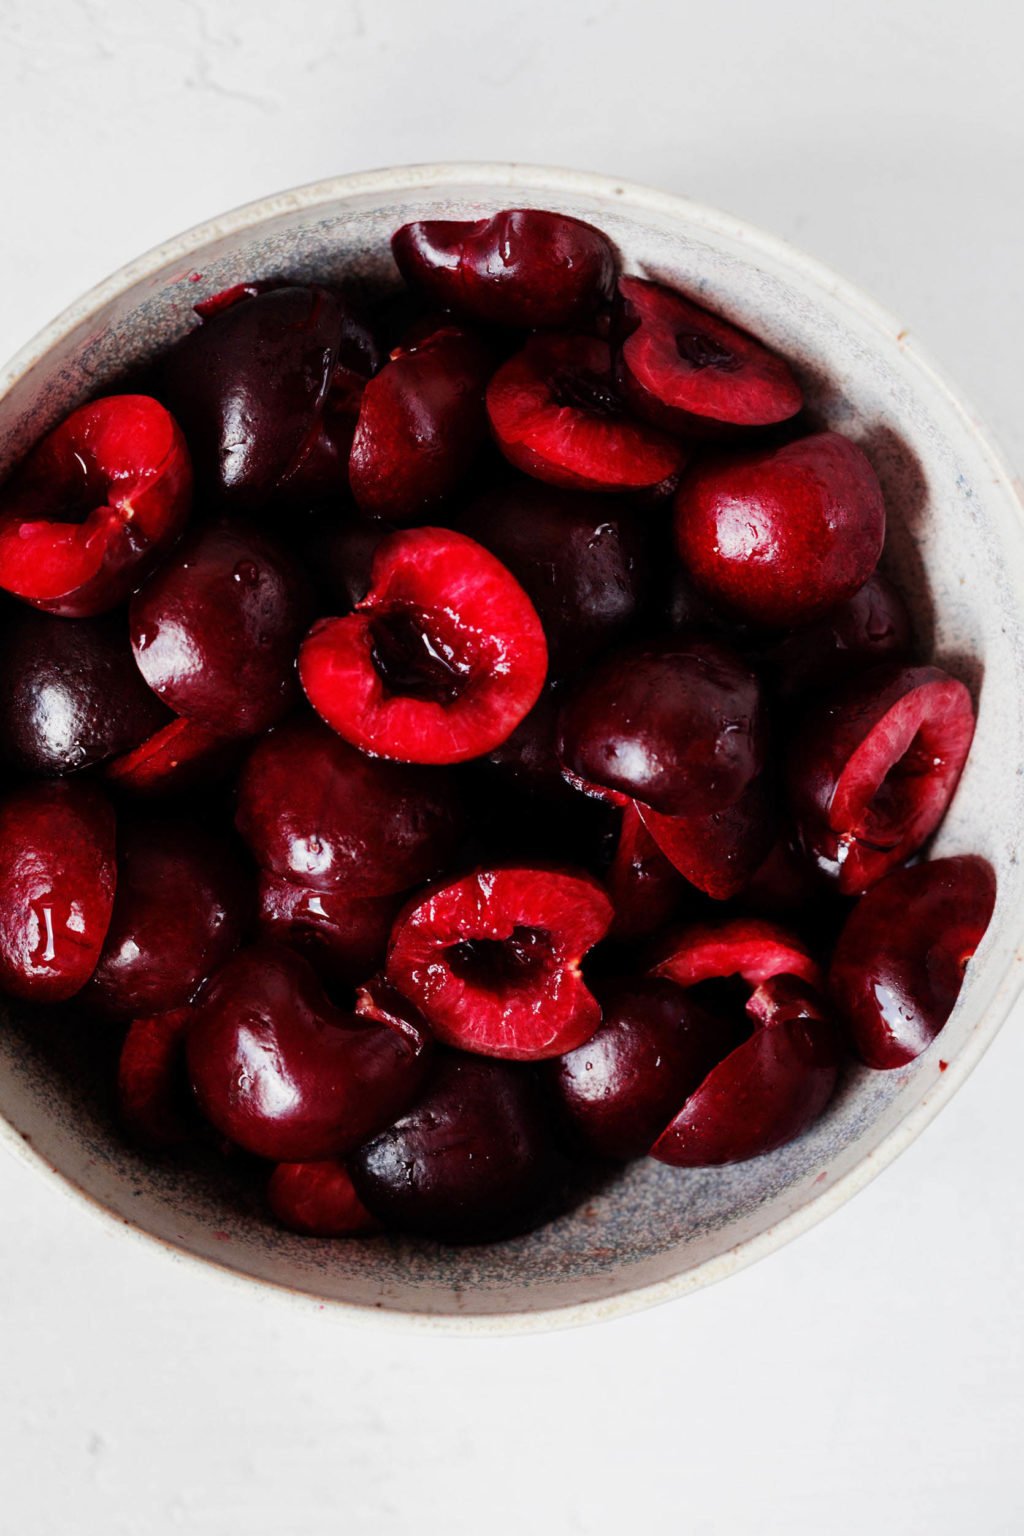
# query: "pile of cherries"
[463,741]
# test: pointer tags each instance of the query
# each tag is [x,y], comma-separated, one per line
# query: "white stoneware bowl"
[957,547]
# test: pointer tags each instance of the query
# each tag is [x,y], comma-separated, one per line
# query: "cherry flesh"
[318,1200]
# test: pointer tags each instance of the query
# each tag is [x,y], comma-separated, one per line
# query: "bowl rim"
[639,198]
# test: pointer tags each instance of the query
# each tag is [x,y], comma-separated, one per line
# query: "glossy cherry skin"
[768,1090]
[721,852]
[252,385]
[153,1097]
[182,905]
[523,267]
[315,811]
[654,1047]
[284,1074]
[473,1160]
[215,631]
[899,965]
[556,413]
[318,1200]
[344,937]
[181,756]
[645,888]
[780,537]
[71,695]
[493,960]
[678,726]
[94,505]
[584,564]
[440,661]
[874,768]
[684,368]
[421,425]
[57,879]
[872,626]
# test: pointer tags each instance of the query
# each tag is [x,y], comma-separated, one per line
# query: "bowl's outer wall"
[956,546]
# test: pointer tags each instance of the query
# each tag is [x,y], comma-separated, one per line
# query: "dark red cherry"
[899,965]
[557,414]
[318,1200]
[182,905]
[768,1090]
[57,879]
[281,1072]
[439,662]
[317,812]
[870,627]
[521,267]
[152,1083]
[586,565]
[473,1159]
[215,631]
[654,1047]
[255,384]
[684,368]
[781,536]
[875,767]
[94,505]
[421,425]
[182,755]
[786,882]
[645,888]
[678,726]
[345,937]
[71,695]
[493,960]
[718,853]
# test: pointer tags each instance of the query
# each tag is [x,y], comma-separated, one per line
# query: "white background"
[869,1378]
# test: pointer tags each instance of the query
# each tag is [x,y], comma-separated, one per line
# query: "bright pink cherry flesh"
[523,267]
[899,965]
[284,1074]
[557,414]
[875,767]
[683,367]
[318,1200]
[780,536]
[440,661]
[182,755]
[493,960]
[94,505]
[748,947]
[57,880]
[315,811]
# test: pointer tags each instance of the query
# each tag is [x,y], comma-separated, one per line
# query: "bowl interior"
[955,545]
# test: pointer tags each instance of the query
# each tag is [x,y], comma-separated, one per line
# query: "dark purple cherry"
[284,1074]
[473,1159]
[872,626]
[71,694]
[318,812]
[182,904]
[216,630]
[678,727]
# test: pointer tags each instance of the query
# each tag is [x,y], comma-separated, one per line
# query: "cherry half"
[318,1200]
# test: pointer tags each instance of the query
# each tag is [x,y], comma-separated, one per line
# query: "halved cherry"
[421,424]
[438,663]
[281,1072]
[216,629]
[655,1046]
[94,505]
[57,880]
[345,937]
[748,947]
[717,853]
[521,267]
[768,1090]
[899,965]
[493,960]
[318,1200]
[152,1083]
[683,367]
[875,768]
[317,812]
[645,888]
[556,413]
[181,755]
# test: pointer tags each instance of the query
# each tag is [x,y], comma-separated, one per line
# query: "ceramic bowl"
[956,546]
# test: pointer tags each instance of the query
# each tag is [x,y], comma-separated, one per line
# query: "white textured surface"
[870,1375]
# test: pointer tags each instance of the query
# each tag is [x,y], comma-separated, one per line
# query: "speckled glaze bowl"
[957,547]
